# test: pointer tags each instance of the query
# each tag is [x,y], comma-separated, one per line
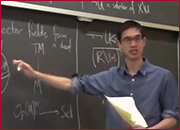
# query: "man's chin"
[134,58]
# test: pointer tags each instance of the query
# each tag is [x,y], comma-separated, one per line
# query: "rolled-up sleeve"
[94,84]
[169,98]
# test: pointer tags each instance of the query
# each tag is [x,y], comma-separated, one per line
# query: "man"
[153,88]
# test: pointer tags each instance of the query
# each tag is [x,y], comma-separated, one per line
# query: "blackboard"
[61,45]
[158,14]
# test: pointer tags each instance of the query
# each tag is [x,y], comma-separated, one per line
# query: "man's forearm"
[55,81]
[165,124]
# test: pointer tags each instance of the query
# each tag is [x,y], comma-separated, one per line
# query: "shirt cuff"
[170,113]
[75,85]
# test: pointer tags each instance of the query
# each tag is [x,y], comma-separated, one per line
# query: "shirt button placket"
[131,94]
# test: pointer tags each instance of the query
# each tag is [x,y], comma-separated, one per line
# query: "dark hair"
[129,24]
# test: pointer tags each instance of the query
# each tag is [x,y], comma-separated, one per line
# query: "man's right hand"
[25,68]
[55,81]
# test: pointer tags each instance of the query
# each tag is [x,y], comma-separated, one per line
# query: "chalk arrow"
[50,112]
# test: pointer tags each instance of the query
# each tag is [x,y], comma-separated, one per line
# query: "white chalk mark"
[93,58]
[5,73]
[50,112]
[92,35]
[98,55]
[77,71]
[113,38]
[143,8]
[37,84]
[14,111]
[99,4]
[82,5]
[1,45]
[101,36]
[106,57]
[67,113]
[101,52]
[102,48]
[58,35]
[106,37]
[36,30]
[54,45]
[66,47]
[38,48]
[29,109]
[11,30]
[108,5]
[132,7]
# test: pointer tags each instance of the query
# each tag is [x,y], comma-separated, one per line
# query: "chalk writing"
[66,47]
[136,7]
[143,9]
[37,85]
[108,37]
[12,30]
[131,8]
[29,109]
[105,55]
[120,6]
[39,48]
[26,110]
[36,30]
[82,5]
[64,42]
[67,112]
[56,112]
[5,74]
[99,4]
[58,35]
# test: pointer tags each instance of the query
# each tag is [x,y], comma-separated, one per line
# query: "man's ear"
[119,44]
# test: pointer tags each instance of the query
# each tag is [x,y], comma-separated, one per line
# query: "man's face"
[132,43]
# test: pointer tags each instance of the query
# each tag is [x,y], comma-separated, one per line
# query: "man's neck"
[134,66]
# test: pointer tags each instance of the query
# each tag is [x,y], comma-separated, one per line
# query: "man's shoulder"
[158,69]
[114,69]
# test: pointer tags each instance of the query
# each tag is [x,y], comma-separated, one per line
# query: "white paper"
[126,108]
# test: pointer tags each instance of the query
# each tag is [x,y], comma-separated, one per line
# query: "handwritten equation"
[103,55]
[108,37]
[31,109]
[138,7]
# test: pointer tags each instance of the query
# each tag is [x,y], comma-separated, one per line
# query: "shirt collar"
[143,70]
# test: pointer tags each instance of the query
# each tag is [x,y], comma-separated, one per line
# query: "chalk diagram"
[5,74]
[99,55]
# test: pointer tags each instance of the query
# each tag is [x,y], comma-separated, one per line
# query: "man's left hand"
[138,127]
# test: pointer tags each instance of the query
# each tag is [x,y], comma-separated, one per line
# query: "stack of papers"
[126,108]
